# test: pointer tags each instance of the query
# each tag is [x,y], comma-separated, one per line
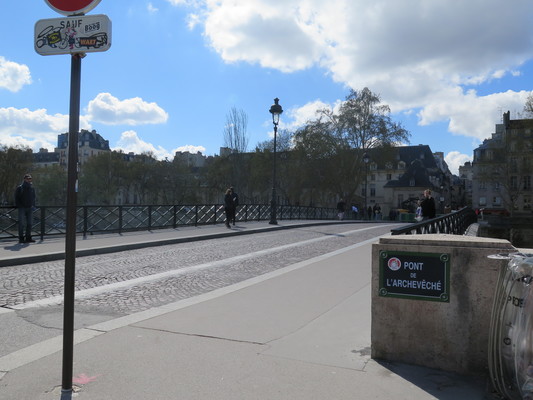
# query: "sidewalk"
[302,332]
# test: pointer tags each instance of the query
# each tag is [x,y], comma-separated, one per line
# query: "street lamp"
[366,159]
[276,111]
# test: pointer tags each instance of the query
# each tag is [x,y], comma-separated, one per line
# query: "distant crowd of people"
[426,209]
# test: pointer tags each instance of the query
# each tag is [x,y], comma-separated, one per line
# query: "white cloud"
[109,110]
[178,2]
[191,149]
[151,8]
[417,54]
[34,129]
[301,115]
[13,76]
[130,142]
[454,159]
[471,115]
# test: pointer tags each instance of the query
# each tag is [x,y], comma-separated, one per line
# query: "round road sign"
[72,7]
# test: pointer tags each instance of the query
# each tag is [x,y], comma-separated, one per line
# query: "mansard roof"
[416,175]
[85,137]
[407,154]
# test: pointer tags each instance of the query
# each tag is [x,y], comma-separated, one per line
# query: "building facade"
[502,168]
[90,144]
[397,179]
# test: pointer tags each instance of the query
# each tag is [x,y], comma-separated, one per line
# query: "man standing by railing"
[25,201]
[428,205]
[235,198]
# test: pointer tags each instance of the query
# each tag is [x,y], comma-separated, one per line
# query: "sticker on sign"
[72,7]
[72,35]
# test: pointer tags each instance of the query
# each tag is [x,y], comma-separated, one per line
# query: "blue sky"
[447,68]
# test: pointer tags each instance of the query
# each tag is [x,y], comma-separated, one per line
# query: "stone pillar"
[415,324]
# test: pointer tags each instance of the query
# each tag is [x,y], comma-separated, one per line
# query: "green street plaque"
[417,276]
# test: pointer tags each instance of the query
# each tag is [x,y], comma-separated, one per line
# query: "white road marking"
[176,272]
[48,347]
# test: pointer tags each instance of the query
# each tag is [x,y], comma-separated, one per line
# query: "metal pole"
[273,220]
[366,191]
[70,240]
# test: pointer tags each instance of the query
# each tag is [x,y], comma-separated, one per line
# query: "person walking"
[25,201]
[228,207]
[235,197]
[428,205]
[341,207]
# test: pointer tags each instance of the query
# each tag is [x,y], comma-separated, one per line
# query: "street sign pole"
[76,35]
[70,240]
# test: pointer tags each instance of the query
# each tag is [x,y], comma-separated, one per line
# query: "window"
[401,165]
[496,201]
[482,184]
[372,191]
[412,182]
[527,182]
[372,177]
[389,177]
[514,182]
[527,202]
[482,201]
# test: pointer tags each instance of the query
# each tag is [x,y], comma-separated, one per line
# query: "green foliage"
[331,148]
[14,163]
[50,185]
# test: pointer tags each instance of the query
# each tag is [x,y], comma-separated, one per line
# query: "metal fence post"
[174,217]
[85,222]
[43,222]
[119,219]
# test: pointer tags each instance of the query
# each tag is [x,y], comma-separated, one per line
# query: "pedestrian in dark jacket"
[228,207]
[428,205]
[235,197]
[341,207]
[25,202]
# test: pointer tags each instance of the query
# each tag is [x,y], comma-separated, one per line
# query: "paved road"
[113,285]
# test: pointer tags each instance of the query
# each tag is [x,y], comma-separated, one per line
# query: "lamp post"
[366,159]
[276,111]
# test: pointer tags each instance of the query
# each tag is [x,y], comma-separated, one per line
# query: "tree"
[528,107]
[100,178]
[236,139]
[235,131]
[288,178]
[333,145]
[51,185]
[14,163]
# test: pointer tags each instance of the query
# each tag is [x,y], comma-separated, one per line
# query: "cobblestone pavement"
[136,280]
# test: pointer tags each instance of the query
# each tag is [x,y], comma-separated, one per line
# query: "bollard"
[510,344]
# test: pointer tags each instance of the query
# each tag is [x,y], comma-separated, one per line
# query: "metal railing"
[455,223]
[50,220]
